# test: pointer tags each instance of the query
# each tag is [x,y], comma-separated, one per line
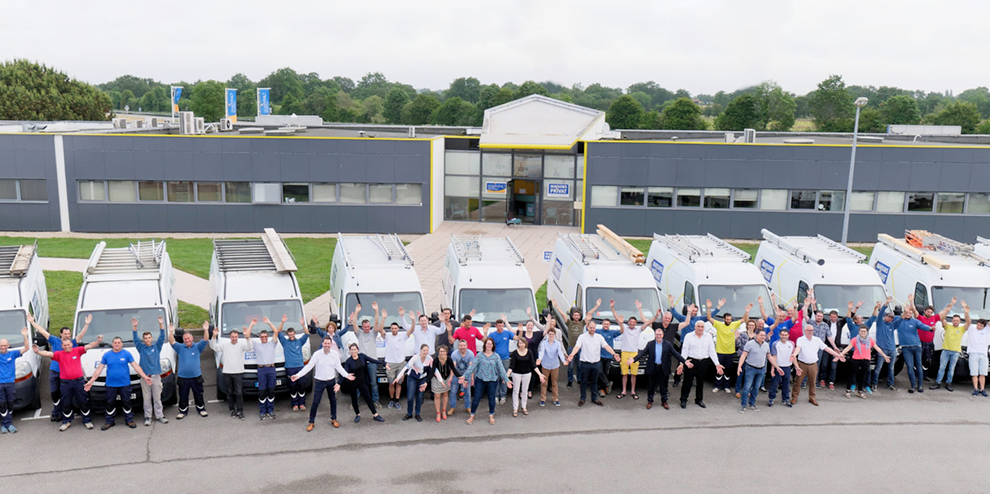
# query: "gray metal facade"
[29,157]
[262,159]
[755,166]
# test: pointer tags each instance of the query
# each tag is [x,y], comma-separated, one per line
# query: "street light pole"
[859,104]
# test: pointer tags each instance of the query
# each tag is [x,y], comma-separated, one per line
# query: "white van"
[23,292]
[695,268]
[252,279]
[934,269]
[487,275]
[588,267]
[374,268]
[120,284]
[838,274]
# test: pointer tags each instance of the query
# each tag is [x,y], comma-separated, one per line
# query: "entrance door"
[523,201]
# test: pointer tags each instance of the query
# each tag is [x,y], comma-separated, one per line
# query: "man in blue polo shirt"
[609,334]
[55,344]
[190,373]
[150,353]
[501,337]
[292,349]
[8,361]
[118,382]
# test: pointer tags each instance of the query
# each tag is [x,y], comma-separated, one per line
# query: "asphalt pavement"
[936,441]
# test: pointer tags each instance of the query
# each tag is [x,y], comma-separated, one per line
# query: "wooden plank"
[280,255]
[621,245]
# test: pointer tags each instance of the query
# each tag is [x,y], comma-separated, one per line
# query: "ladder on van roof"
[387,248]
[922,245]
[16,259]
[686,247]
[477,248]
[582,245]
[811,249]
[267,253]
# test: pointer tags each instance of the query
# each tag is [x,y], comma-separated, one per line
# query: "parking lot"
[934,441]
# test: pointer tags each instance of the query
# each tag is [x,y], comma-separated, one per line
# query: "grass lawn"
[803,125]
[192,316]
[63,293]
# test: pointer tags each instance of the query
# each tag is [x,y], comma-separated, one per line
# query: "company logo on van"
[883,270]
[767,269]
[657,269]
[557,266]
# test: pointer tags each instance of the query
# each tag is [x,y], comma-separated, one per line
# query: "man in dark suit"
[658,353]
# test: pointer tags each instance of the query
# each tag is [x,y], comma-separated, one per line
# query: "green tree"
[394,102]
[801,109]
[900,109]
[682,93]
[283,82]
[624,113]
[712,110]
[29,91]
[983,128]
[960,113]
[344,83]
[651,120]
[373,107]
[155,100]
[247,95]
[566,98]
[643,98]
[454,111]
[832,106]
[493,95]
[530,87]
[418,111]
[322,102]
[871,121]
[742,113]
[126,97]
[372,84]
[208,100]
[776,107]
[137,86]
[658,95]
[290,105]
[465,88]
[683,114]
[978,96]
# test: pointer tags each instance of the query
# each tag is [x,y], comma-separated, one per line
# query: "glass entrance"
[523,201]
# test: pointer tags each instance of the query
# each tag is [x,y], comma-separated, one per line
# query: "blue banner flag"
[264,104]
[232,104]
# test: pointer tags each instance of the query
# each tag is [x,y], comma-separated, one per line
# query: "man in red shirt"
[72,382]
[468,333]
[930,317]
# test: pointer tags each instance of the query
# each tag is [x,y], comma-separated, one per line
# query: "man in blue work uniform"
[609,334]
[292,348]
[190,372]
[8,361]
[118,382]
[885,340]
[55,344]
[150,353]
[907,335]
[264,352]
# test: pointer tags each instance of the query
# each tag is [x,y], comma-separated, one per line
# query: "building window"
[951,202]
[151,191]
[689,198]
[122,190]
[921,202]
[604,195]
[832,200]
[180,192]
[409,193]
[324,193]
[293,193]
[33,190]
[861,201]
[773,199]
[631,196]
[660,197]
[745,198]
[267,193]
[462,163]
[716,198]
[558,166]
[527,165]
[890,202]
[802,199]
[90,190]
[354,193]
[237,192]
[208,192]
[380,193]
[979,202]
[8,190]
[497,164]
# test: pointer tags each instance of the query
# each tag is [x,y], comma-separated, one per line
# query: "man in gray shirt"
[264,354]
[367,340]
[754,361]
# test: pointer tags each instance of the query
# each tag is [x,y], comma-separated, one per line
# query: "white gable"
[541,122]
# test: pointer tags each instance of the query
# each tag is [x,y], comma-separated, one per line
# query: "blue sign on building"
[657,269]
[883,270]
[767,269]
[495,187]
[558,190]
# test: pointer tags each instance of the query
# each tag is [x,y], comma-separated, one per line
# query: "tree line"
[37,92]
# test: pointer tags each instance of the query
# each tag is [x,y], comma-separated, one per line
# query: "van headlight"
[22,369]
[306,353]
[166,365]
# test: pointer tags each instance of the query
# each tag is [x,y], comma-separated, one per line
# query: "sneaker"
[727,391]
[11,429]
[147,422]
[804,385]
[543,403]
[407,417]
[105,427]
[3,430]
[862,395]
[753,408]
[180,416]
[240,416]
[984,394]
[848,394]
[742,409]
[763,389]
[891,388]
[398,406]
[272,415]
[975,393]
[378,418]
[921,390]
[601,393]
[202,413]
[88,425]
[948,387]
[910,390]
[419,419]
[770,403]
[869,390]
[935,386]
[377,405]
[716,390]
[357,418]
[556,403]
[569,384]
[390,403]
[852,388]
[66,425]
[132,425]
[788,404]
[821,384]
[232,415]
[163,420]
[263,416]
[831,386]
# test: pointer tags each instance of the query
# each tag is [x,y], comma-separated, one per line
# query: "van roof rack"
[267,253]
[136,261]
[812,249]
[619,244]
[16,259]
[697,247]
[373,249]
[922,245]
[476,248]
[594,247]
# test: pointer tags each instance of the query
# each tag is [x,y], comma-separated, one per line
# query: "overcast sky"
[701,46]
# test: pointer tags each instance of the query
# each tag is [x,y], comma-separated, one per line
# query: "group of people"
[797,345]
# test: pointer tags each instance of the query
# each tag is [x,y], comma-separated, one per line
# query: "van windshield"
[11,323]
[490,304]
[625,302]
[837,297]
[975,298]
[238,315]
[113,323]
[736,297]
[390,302]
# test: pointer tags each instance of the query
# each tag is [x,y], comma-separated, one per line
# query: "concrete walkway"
[189,288]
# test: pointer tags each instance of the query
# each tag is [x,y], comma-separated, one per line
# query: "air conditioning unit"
[154,121]
[749,135]
[120,123]
[187,125]
[226,124]
[139,124]
[200,125]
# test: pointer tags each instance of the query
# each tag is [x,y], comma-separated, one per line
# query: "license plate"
[382,380]
[249,355]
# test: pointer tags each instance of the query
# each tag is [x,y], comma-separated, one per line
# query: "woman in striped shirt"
[487,367]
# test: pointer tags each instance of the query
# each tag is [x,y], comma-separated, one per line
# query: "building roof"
[540,122]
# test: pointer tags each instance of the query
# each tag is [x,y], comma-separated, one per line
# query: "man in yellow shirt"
[951,344]
[725,342]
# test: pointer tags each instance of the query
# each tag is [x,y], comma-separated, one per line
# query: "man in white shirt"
[231,352]
[590,345]
[979,340]
[395,356]
[426,334]
[781,357]
[698,348]
[328,368]
[806,350]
